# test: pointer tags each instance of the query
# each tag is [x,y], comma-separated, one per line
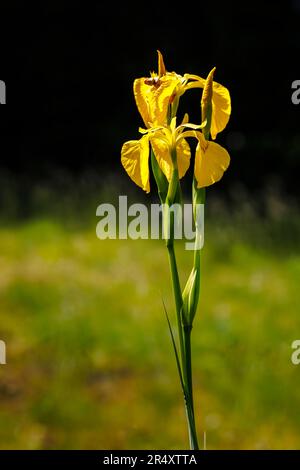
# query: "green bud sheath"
[190,296]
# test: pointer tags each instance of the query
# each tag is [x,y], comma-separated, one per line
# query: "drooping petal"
[221,103]
[211,160]
[142,93]
[161,150]
[134,158]
[221,109]
[183,157]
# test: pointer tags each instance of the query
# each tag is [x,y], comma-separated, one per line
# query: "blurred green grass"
[89,358]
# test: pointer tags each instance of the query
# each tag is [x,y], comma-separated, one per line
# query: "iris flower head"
[157,98]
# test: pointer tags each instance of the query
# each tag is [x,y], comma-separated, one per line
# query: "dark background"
[69,68]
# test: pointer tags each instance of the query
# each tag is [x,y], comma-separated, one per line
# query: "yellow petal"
[173,124]
[142,94]
[163,94]
[161,151]
[183,157]
[192,126]
[153,96]
[198,82]
[161,65]
[221,103]
[221,109]
[134,158]
[211,160]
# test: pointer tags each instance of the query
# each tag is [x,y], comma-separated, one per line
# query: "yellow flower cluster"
[157,98]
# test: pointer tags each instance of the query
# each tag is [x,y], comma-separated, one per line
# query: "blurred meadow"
[89,359]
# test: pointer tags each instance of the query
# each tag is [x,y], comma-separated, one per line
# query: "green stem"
[184,332]
[189,387]
[177,298]
[185,351]
[172,190]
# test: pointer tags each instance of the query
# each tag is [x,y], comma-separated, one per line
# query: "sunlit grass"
[90,364]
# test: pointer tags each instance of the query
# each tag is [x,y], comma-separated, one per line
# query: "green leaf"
[175,350]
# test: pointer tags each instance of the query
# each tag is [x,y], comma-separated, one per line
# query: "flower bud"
[206,102]
[190,296]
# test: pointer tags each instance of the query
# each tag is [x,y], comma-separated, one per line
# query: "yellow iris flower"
[154,95]
[172,150]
